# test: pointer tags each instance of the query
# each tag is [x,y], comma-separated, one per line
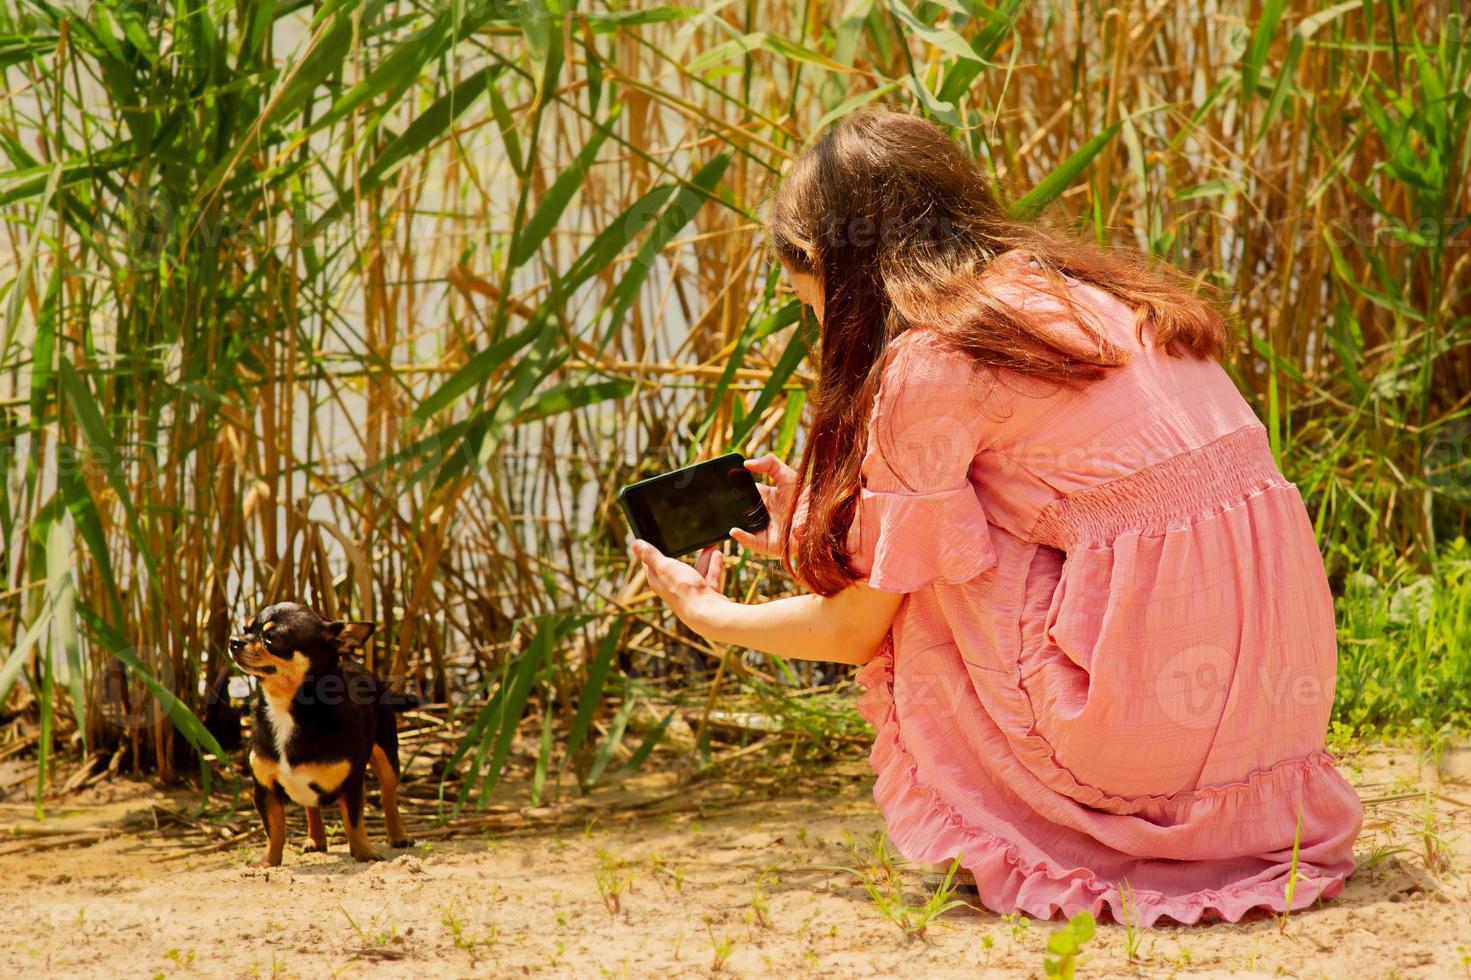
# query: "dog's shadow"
[315,864]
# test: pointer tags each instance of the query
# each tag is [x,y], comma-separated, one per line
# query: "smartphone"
[686,509]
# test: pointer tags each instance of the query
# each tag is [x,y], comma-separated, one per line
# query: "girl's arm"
[848,627]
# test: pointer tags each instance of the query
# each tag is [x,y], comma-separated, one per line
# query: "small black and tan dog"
[319,720]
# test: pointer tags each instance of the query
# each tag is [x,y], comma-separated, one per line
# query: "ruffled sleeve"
[919,517]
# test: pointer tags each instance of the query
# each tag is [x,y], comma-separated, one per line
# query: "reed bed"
[376,304]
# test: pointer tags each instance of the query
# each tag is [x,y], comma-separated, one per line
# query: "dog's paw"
[266,862]
[402,842]
[310,848]
[362,857]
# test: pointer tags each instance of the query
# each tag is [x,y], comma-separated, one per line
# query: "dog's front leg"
[271,806]
[352,819]
[316,830]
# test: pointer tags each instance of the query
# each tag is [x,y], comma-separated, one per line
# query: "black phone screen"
[691,507]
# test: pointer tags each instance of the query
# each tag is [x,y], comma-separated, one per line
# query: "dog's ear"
[349,636]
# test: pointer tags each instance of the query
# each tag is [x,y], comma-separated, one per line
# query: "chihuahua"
[319,720]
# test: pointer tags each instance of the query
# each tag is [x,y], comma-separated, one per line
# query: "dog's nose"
[237,644]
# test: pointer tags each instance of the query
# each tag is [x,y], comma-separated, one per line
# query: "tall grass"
[1405,650]
[374,304]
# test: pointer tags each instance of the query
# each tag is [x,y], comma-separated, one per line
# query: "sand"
[753,886]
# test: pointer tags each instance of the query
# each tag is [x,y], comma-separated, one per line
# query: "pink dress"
[1114,665]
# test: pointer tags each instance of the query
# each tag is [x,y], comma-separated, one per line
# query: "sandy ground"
[750,886]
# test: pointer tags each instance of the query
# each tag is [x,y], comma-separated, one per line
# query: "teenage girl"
[1096,638]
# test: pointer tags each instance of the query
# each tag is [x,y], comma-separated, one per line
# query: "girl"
[1097,640]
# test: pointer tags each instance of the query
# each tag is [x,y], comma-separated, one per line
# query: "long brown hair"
[897,223]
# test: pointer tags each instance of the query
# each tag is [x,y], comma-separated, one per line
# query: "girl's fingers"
[702,563]
[710,565]
[716,567]
[646,553]
[771,465]
[745,538]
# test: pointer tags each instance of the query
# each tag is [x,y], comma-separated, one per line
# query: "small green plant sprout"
[722,947]
[1405,784]
[376,940]
[278,967]
[662,870]
[886,889]
[1291,875]
[1378,854]
[185,958]
[1019,924]
[612,881]
[872,857]
[1464,953]
[806,925]
[1437,858]
[760,911]
[1067,943]
[1430,742]
[450,918]
[1131,926]
[988,943]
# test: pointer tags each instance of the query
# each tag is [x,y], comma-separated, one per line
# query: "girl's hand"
[692,591]
[778,498]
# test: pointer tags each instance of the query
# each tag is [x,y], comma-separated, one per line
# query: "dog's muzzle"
[240,651]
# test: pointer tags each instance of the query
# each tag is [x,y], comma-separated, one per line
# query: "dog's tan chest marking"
[263,769]
[304,782]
